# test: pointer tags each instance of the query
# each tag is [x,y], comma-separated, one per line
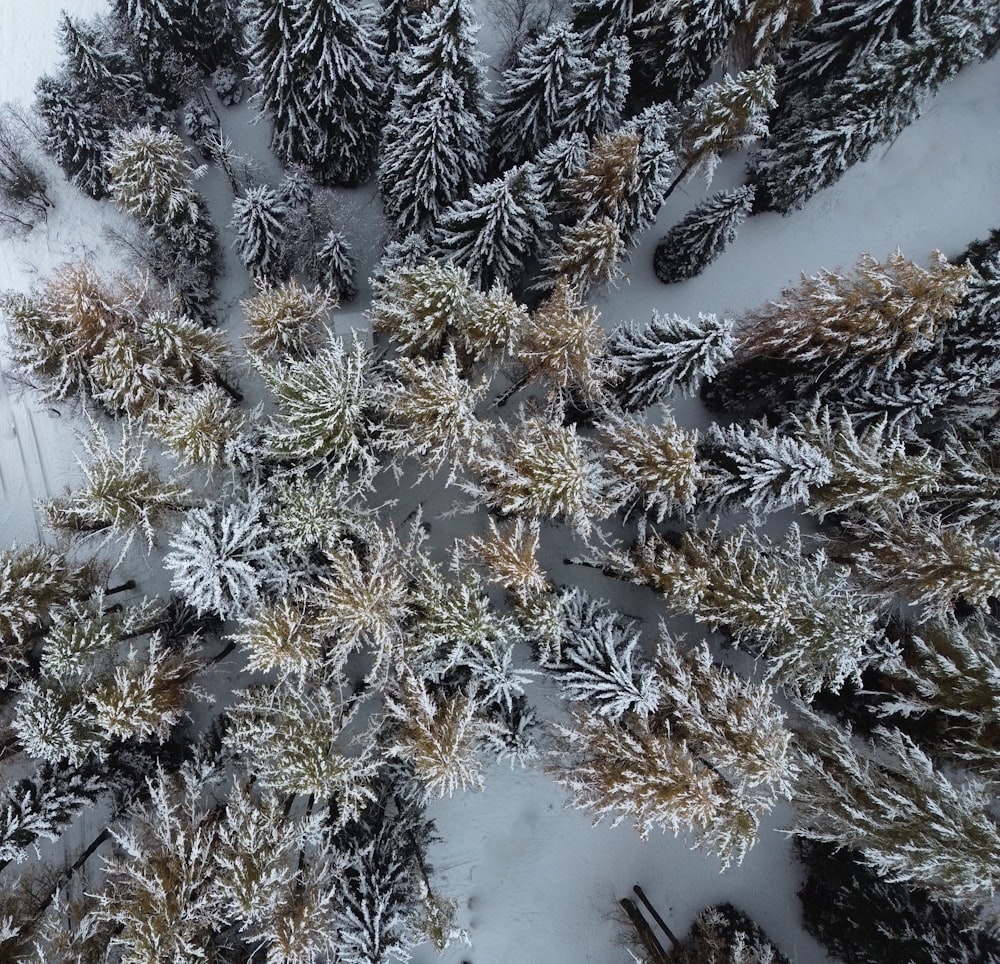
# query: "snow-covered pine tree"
[968,489]
[440,735]
[587,256]
[434,141]
[555,165]
[930,564]
[817,139]
[75,134]
[670,354]
[723,117]
[318,73]
[862,918]
[291,735]
[712,758]
[598,662]
[157,891]
[496,230]
[122,495]
[195,426]
[259,225]
[430,413]
[539,469]
[422,305]
[152,29]
[873,470]
[626,177]
[564,346]
[596,90]
[324,411]
[530,106]
[678,42]
[652,466]
[150,177]
[399,22]
[37,582]
[285,320]
[881,314]
[876,802]
[94,66]
[760,469]
[335,268]
[509,552]
[598,20]
[43,804]
[225,559]
[802,614]
[702,235]
[725,934]
[281,637]
[766,26]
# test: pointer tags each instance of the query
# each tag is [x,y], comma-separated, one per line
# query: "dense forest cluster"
[279,472]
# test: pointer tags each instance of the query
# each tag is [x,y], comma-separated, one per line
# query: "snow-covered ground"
[536,883]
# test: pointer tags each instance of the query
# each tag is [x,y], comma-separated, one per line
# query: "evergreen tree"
[766,26]
[597,88]
[400,22]
[670,354]
[877,800]
[434,142]
[865,919]
[335,266]
[652,466]
[259,223]
[724,935]
[556,164]
[726,116]
[75,135]
[882,315]
[495,231]
[196,426]
[702,235]
[760,469]
[286,319]
[152,27]
[324,407]
[678,42]
[930,564]
[531,105]
[318,73]
[598,20]
[122,494]
[225,559]
[817,139]
[587,255]
[799,612]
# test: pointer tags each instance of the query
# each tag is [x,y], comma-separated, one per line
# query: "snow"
[535,881]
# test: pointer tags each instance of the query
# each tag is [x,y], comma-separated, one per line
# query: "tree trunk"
[653,947]
[123,587]
[656,916]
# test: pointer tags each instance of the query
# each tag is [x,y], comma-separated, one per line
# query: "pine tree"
[495,231]
[596,90]
[876,801]
[882,315]
[324,407]
[122,494]
[796,610]
[225,559]
[531,105]
[510,554]
[816,140]
[873,470]
[42,805]
[318,73]
[435,136]
[930,564]
[760,469]
[400,22]
[726,116]
[150,177]
[285,320]
[556,165]
[75,135]
[766,26]
[153,28]
[670,354]
[100,72]
[652,466]
[335,266]
[865,919]
[725,935]
[587,256]
[678,42]
[712,758]
[702,235]
[439,736]
[37,582]
[541,470]
[259,223]
[430,413]
[597,20]
[292,736]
